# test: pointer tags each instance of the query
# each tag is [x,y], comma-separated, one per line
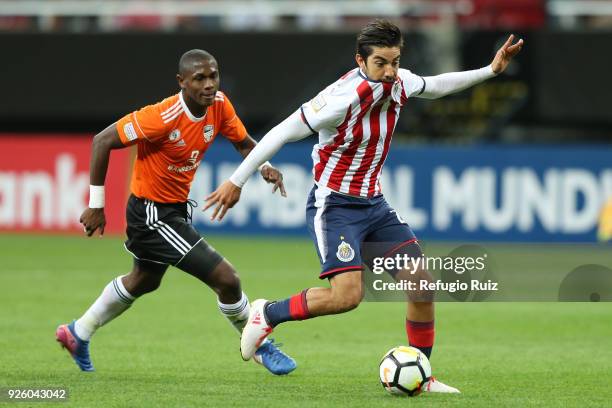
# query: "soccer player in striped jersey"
[354,118]
[172,137]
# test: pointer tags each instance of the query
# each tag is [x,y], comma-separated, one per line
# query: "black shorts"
[161,233]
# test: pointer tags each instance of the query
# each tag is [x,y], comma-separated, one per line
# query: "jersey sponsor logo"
[209,131]
[129,131]
[318,103]
[174,135]
[183,169]
[345,252]
[192,163]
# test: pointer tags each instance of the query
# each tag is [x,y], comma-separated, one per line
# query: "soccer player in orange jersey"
[172,137]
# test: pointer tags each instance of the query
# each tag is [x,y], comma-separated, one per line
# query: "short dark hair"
[192,56]
[378,33]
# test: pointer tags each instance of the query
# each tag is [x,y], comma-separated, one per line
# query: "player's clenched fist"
[225,197]
[92,220]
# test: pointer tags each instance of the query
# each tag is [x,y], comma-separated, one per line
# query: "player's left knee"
[419,296]
[350,304]
[140,284]
[225,281]
[229,282]
[151,285]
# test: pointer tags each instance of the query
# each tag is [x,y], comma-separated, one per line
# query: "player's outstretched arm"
[93,217]
[228,193]
[445,84]
[269,173]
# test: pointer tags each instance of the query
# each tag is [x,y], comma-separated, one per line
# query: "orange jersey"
[172,142]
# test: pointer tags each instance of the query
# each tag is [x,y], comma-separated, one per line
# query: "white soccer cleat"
[434,385]
[255,331]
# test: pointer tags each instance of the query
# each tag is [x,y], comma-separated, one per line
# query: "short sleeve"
[326,110]
[143,124]
[413,84]
[232,127]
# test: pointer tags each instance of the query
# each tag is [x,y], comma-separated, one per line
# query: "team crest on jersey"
[345,252]
[174,135]
[209,131]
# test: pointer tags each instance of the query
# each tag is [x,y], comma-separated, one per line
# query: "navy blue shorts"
[341,224]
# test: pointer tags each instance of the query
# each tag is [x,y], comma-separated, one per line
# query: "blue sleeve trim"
[423,87]
[306,121]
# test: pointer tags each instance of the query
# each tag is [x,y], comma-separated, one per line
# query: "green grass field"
[173,348]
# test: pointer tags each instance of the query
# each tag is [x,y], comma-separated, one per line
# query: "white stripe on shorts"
[321,194]
[165,230]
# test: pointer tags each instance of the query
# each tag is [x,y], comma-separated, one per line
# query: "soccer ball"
[404,370]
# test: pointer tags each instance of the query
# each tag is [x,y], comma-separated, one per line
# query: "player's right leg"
[206,264]
[344,295]
[116,298]
[337,226]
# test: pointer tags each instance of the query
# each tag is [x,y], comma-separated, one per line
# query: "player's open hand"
[225,197]
[273,176]
[505,54]
[93,219]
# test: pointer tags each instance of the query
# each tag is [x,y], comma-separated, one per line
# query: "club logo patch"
[174,135]
[345,252]
[209,131]
[318,103]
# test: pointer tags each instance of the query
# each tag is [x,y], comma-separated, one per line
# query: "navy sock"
[426,350]
[278,312]
[293,308]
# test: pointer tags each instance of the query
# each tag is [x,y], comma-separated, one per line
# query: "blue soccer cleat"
[277,362]
[78,349]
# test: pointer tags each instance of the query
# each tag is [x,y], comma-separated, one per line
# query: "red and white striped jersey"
[355,118]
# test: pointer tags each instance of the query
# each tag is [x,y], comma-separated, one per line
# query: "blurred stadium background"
[524,158]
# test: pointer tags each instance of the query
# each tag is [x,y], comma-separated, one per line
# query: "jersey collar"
[364,76]
[188,112]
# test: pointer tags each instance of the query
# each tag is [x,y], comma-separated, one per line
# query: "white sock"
[237,313]
[113,301]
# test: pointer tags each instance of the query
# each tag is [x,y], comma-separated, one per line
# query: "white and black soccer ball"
[404,370]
